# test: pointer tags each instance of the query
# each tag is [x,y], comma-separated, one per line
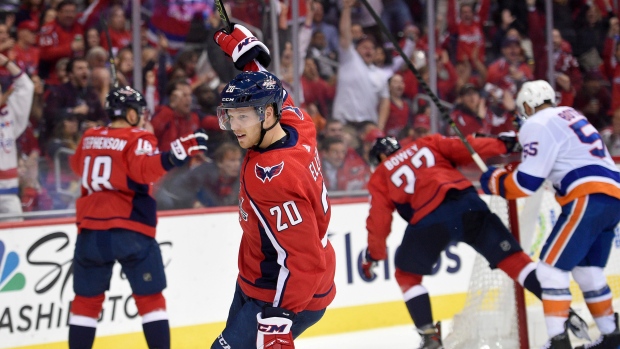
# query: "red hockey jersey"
[415,180]
[285,256]
[118,167]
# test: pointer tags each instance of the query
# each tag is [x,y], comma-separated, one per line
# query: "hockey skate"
[606,341]
[561,341]
[431,337]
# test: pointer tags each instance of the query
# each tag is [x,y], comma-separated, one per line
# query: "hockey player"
[421,183]
[560,144]
[286,263]
[116,216]
[15,104]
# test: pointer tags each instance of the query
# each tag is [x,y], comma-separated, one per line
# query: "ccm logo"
[271,328]
[228,99]
[178,148]
[246,41]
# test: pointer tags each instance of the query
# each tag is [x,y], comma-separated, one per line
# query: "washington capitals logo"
[269,84]
[268,172]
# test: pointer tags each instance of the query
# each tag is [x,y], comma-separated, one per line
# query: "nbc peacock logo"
[10,279]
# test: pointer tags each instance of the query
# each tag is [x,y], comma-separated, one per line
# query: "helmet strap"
[262,134]
[263,131]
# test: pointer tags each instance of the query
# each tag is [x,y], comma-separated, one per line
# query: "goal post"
[513,221]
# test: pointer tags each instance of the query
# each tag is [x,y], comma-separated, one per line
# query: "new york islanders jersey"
[415,180]
[118,167]
[560,144]
[285,256]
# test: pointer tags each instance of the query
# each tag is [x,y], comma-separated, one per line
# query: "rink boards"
[199,249]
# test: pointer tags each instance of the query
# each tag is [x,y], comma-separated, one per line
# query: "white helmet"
[534,94]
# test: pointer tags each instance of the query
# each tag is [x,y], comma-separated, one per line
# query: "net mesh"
[489,317]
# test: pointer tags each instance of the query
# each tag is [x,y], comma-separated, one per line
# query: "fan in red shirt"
[116,216]
[342,170]
[30,10]
[509,71]
[119,36]
[175,119]
[25,52]
[468,28]
[568,77]
[421,127]
[316,90]
[64,37]
[421,183]
[399,108]
[615,83]
[474,115]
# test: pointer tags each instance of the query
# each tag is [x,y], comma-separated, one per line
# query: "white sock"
[606,324]
[555,325]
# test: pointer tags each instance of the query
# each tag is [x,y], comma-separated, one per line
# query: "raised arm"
[305,34]
[483,11]
[384,112]
[398,61]
[19,96]
[345,24]
[451,17]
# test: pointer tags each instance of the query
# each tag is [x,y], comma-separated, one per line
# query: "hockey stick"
[445,114]
[104,25]
[219,4]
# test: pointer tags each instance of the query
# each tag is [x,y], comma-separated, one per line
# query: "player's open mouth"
[240,136]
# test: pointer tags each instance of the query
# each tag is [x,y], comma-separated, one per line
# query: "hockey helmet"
[534,94]
[120,99]
[251,89]
[386,146]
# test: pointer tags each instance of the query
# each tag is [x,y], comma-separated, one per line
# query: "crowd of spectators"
[352,83]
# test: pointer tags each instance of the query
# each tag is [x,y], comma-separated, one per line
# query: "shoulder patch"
[295,110]
[268,172]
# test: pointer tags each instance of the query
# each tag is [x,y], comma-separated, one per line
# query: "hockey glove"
[183,148]
[368,264]
[242,46]
[489,181]
[274,328]
[511,141]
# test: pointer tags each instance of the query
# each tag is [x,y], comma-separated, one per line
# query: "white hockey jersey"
[560,144]
[13,121]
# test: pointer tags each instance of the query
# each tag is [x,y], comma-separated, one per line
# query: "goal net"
[496,312]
